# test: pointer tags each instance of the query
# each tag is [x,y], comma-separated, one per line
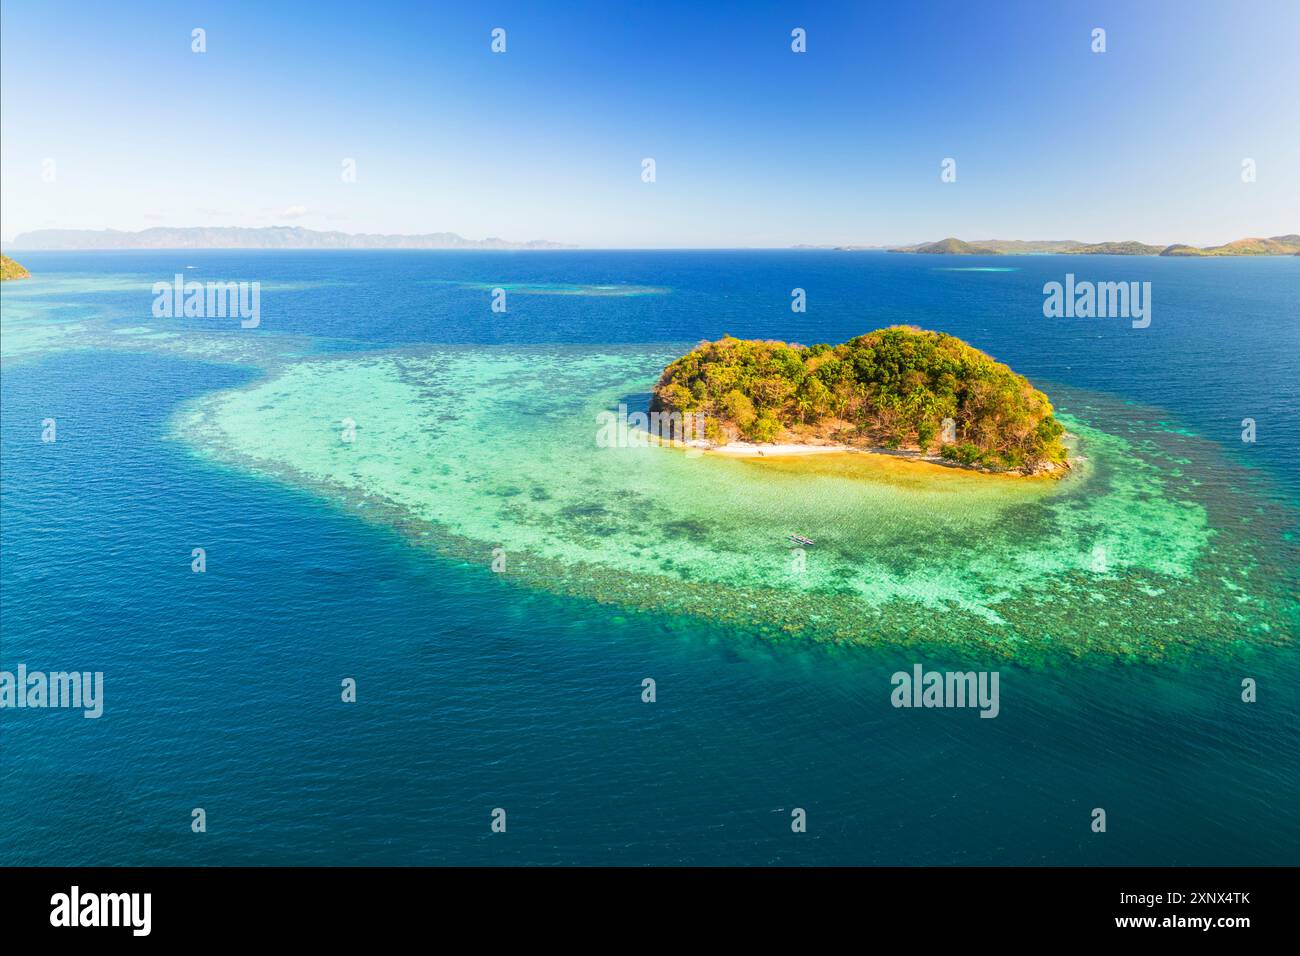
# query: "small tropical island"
[901,390]
[12,270]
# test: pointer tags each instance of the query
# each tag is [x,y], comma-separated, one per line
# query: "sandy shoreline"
[744,449]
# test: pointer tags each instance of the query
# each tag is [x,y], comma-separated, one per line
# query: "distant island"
[267,237]
[838,248]
[1287,245]
[12,270]
[901,390]
[1278,245]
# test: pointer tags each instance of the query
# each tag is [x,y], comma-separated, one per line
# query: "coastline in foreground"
[12,270]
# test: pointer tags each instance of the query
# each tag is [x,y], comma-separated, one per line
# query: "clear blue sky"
[754,145]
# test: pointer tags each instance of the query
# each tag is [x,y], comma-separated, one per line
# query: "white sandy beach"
[744,449]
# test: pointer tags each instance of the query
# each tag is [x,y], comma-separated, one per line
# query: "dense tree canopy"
[893,387]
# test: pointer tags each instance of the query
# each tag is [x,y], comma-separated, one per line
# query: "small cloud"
[294,212]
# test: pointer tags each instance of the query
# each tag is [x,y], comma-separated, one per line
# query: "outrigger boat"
[800,539]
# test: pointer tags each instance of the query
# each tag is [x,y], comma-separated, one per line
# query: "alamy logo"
[640,430]
[923,688]
[1101,300]
[74,908]
[212,300]
[73,690]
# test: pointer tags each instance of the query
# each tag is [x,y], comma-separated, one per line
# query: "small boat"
[801,540]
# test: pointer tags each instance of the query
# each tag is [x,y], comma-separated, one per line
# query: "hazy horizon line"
[9,243]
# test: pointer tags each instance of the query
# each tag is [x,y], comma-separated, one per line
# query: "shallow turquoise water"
[1122,606]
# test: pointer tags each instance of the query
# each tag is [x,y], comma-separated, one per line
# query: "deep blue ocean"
[222,688]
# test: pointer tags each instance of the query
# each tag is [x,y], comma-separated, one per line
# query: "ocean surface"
[355,465]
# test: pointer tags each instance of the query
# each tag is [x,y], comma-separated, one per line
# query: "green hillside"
[12,270]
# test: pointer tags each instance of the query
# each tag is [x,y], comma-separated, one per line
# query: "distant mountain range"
[296,237]
[1288,245]
[266,237]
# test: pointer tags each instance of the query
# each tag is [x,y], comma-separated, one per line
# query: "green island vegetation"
[958,247]
[890,389]
[1130,247]
[12,270]
[1275,246]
